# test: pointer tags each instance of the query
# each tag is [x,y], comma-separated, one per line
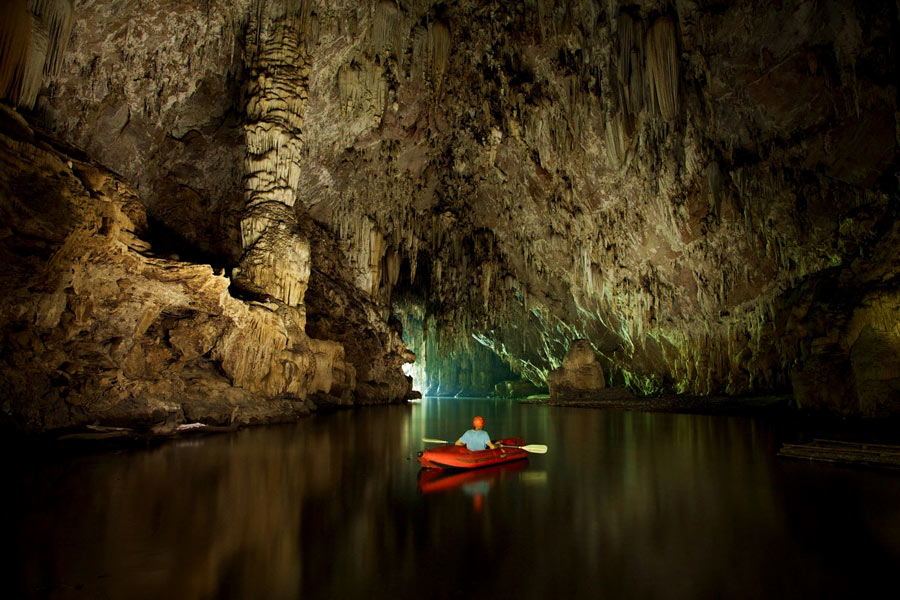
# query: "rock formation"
[580,374]
[98,328]
[707,193]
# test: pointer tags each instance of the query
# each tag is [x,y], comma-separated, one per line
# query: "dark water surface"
[625,505]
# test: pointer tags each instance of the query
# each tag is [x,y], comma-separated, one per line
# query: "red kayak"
[450,456]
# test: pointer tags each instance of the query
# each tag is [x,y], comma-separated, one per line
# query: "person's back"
[476,439]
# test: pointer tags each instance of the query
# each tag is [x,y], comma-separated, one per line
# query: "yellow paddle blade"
[535,448]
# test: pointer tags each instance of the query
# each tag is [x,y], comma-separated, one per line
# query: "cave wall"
[670,181]
[706,192]
[154,91]
[105,320]
[98,328]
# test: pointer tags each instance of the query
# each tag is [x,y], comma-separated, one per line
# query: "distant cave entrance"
[460,367]
[449,361]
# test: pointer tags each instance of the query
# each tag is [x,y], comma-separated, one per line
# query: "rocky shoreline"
[623,399]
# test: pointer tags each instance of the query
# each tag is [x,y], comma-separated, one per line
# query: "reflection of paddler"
[478,490]
[473,488]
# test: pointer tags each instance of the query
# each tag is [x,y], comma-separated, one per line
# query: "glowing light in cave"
[417,372]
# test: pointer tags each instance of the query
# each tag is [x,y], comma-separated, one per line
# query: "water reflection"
[475,483]
[623,505]
[675,497]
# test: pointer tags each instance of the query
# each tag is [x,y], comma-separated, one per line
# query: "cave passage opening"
[461,367]
[450,360]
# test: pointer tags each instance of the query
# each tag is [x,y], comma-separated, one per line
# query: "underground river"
[624,505]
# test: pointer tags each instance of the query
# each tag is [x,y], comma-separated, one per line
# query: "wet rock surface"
[517,389]
[780,407]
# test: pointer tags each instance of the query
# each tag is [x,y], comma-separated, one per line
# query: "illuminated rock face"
[580,374]
[275,260]
[706,194]
[152,89]
[97,328]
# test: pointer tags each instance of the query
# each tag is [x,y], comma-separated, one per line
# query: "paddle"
[533,448]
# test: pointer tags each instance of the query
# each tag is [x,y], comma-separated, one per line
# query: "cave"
[228,213]
[454,191]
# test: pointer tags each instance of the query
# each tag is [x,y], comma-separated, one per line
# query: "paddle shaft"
[533,448]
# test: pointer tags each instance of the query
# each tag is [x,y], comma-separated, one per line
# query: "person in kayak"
[477,438]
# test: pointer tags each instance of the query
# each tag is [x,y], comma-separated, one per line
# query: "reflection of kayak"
[450,456]
[441,480]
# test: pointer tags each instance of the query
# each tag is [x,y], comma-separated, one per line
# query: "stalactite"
[439,47]
[662,67]
[362,88]
[392,266]
[57,15]
[486,282]
[34,63]
[33,39]
[419,51]
[629,64]
[387,35]
[15,43]
[413,258]
[619,130]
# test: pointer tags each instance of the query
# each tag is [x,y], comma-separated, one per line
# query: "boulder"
[580,374]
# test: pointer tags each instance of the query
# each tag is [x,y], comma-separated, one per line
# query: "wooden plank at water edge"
[882,456]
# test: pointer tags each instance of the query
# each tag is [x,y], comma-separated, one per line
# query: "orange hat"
[478,422]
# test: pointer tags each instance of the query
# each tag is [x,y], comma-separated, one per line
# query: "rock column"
[276,259]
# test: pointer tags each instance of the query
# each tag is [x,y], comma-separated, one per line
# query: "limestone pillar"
[276,257]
